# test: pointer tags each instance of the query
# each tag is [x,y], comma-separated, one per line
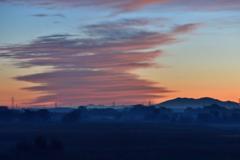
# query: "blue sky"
[187,49]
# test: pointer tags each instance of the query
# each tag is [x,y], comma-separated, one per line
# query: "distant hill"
[182,103]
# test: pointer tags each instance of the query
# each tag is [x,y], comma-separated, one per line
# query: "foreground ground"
[106,141]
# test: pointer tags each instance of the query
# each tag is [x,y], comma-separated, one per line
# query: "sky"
[78,52]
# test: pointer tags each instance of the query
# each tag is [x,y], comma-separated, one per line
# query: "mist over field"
[119,80]
[130,132]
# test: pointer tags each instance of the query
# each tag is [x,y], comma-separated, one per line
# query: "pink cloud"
[95,70]
[94,87]
[186,28]
[130,5]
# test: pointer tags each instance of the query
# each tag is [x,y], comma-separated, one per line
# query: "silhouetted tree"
[43,114]
[40,143]
[56,145]
[8,115]
[23,146]
[72,116]
[38,115]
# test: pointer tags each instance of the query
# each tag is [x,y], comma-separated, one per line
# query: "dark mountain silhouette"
[182,103]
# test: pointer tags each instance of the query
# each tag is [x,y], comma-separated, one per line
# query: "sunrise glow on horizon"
[78,52]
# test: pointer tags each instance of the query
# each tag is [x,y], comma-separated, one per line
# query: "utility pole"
[12,102]
[149,103]
[114,104]
[55,104]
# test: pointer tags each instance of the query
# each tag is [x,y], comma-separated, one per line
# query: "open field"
[123,141]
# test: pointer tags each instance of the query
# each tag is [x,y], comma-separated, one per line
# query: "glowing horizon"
[79,52]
